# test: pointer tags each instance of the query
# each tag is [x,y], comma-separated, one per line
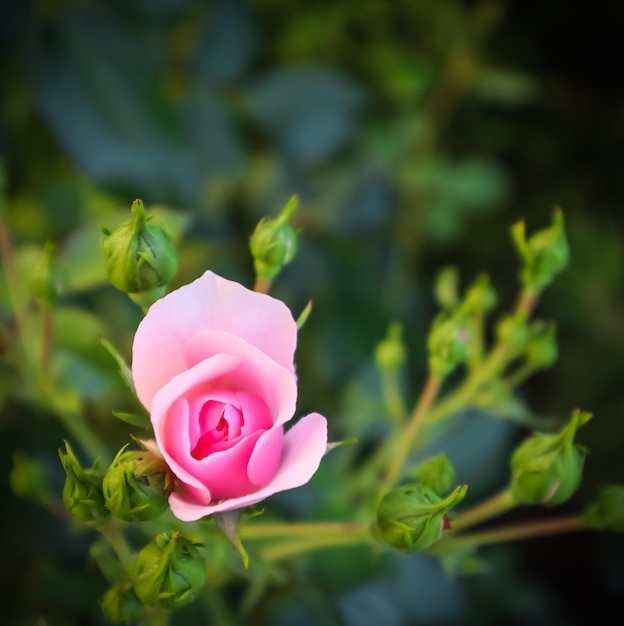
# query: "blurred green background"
[415,133]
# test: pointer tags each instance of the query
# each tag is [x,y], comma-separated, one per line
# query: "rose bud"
[447,343]
[547,468]
[544,255]
[390,353]
[273,243]
[137,486]
[607,512]
[437,472]
[541,349]
[512,330]
[82,493]
[139,256]
[411,518]
[480,296]
[120,604]
[169,572]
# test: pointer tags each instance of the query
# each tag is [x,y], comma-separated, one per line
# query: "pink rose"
[213,364]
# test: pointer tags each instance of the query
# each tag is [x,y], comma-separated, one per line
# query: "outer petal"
[304,446]
[210,303]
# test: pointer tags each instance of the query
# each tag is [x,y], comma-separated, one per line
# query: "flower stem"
[261,285]
[46,342]
[393,398]
[297,546]
[118,543]
[16,294]
[527,530]
[408,436]
[308,530]
[496,505]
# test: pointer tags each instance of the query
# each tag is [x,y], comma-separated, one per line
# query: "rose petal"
[262,370]
[209,303]
[266,457]
[304,446]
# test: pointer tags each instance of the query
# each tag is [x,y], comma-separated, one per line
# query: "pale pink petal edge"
[304,446]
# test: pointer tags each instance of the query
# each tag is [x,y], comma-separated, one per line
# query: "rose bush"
[213,362]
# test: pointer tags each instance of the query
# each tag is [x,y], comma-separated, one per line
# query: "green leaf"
[142,421]
[124,370]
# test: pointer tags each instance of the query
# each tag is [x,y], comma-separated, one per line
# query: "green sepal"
[228,522]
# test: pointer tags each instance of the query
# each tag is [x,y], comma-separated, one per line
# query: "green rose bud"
[446,288]
[544,255]
[273,243]
[390,354]
[437,472]
[82,493]
[480,296]
[137,485]
[607,512]
[169,572]
[447,344]
[29,478]
[513,331]
[547,468]
[541,349]
[120,604]
[140,257]
[46,280]
[411,518]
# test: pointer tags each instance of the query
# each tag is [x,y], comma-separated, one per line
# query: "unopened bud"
[480,296]
[120,604]
[28,478]
[169,572]
[273,243]
[513,331]
[137,485]
[438,473]
[390,353]
[541,348]
[447,344]
[446,288]
[140,257]
[411,518]
[544,255]
[547,468]
[82,493]
[607,512]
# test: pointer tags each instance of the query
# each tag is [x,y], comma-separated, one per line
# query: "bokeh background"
[415,133]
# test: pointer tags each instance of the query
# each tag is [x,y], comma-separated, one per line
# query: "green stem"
[496,505]
[46,342]
[261,285]
[76,426]
[408,436]
[527,530]
[118,543]
[308,530]
[16,294]
[287,549]
[393,399]
[462,397]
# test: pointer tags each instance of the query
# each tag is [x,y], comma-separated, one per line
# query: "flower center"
[219,423]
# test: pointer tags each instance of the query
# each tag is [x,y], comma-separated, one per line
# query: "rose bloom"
[213,364]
